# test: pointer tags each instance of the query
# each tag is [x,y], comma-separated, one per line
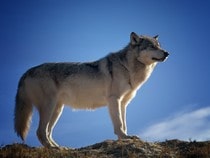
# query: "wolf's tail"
[23,111]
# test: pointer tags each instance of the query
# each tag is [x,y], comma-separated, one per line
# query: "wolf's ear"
[134,38]
[156,37]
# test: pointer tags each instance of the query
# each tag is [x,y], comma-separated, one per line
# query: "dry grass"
[185,149]
[110,149]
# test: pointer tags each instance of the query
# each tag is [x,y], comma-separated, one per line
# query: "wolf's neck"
[140,73]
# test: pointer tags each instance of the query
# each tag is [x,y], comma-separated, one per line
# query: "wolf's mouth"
[159,60]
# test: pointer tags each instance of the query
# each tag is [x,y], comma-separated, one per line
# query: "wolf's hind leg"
[55,116]
[45,113]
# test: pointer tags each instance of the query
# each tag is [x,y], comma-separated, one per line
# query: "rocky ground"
[133,148]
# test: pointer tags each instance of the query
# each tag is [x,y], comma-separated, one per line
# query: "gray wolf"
[112,81]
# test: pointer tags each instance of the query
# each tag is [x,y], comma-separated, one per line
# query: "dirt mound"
[114,149]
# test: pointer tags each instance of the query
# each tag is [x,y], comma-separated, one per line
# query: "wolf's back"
[23,111]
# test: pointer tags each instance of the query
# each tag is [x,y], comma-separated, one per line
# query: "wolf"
[110,81]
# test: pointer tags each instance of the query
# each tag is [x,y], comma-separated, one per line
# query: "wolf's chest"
[138,78]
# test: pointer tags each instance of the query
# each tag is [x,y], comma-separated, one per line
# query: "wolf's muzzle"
[165,55]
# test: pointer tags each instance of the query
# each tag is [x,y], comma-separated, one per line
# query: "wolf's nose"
[166,54]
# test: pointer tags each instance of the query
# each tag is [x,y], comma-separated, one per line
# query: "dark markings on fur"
[93,66]
[146,43]
[123,54]
[109,66]
[59,71]
[124,61]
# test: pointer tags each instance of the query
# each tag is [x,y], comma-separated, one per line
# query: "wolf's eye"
[152,46]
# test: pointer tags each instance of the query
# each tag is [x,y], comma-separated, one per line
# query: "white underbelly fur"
[84,95]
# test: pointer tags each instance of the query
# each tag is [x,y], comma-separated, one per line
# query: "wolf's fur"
[112,81]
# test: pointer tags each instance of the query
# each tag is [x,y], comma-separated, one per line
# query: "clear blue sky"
[174,103]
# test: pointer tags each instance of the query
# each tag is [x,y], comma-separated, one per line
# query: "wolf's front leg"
[123,113]
[116,116]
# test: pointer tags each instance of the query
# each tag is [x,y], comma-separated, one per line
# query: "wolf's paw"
[128,137]
[64,148]
[132,137]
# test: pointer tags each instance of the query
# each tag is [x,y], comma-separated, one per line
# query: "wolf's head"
[148,49]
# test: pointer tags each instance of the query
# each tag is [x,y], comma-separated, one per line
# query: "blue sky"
[174,103]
